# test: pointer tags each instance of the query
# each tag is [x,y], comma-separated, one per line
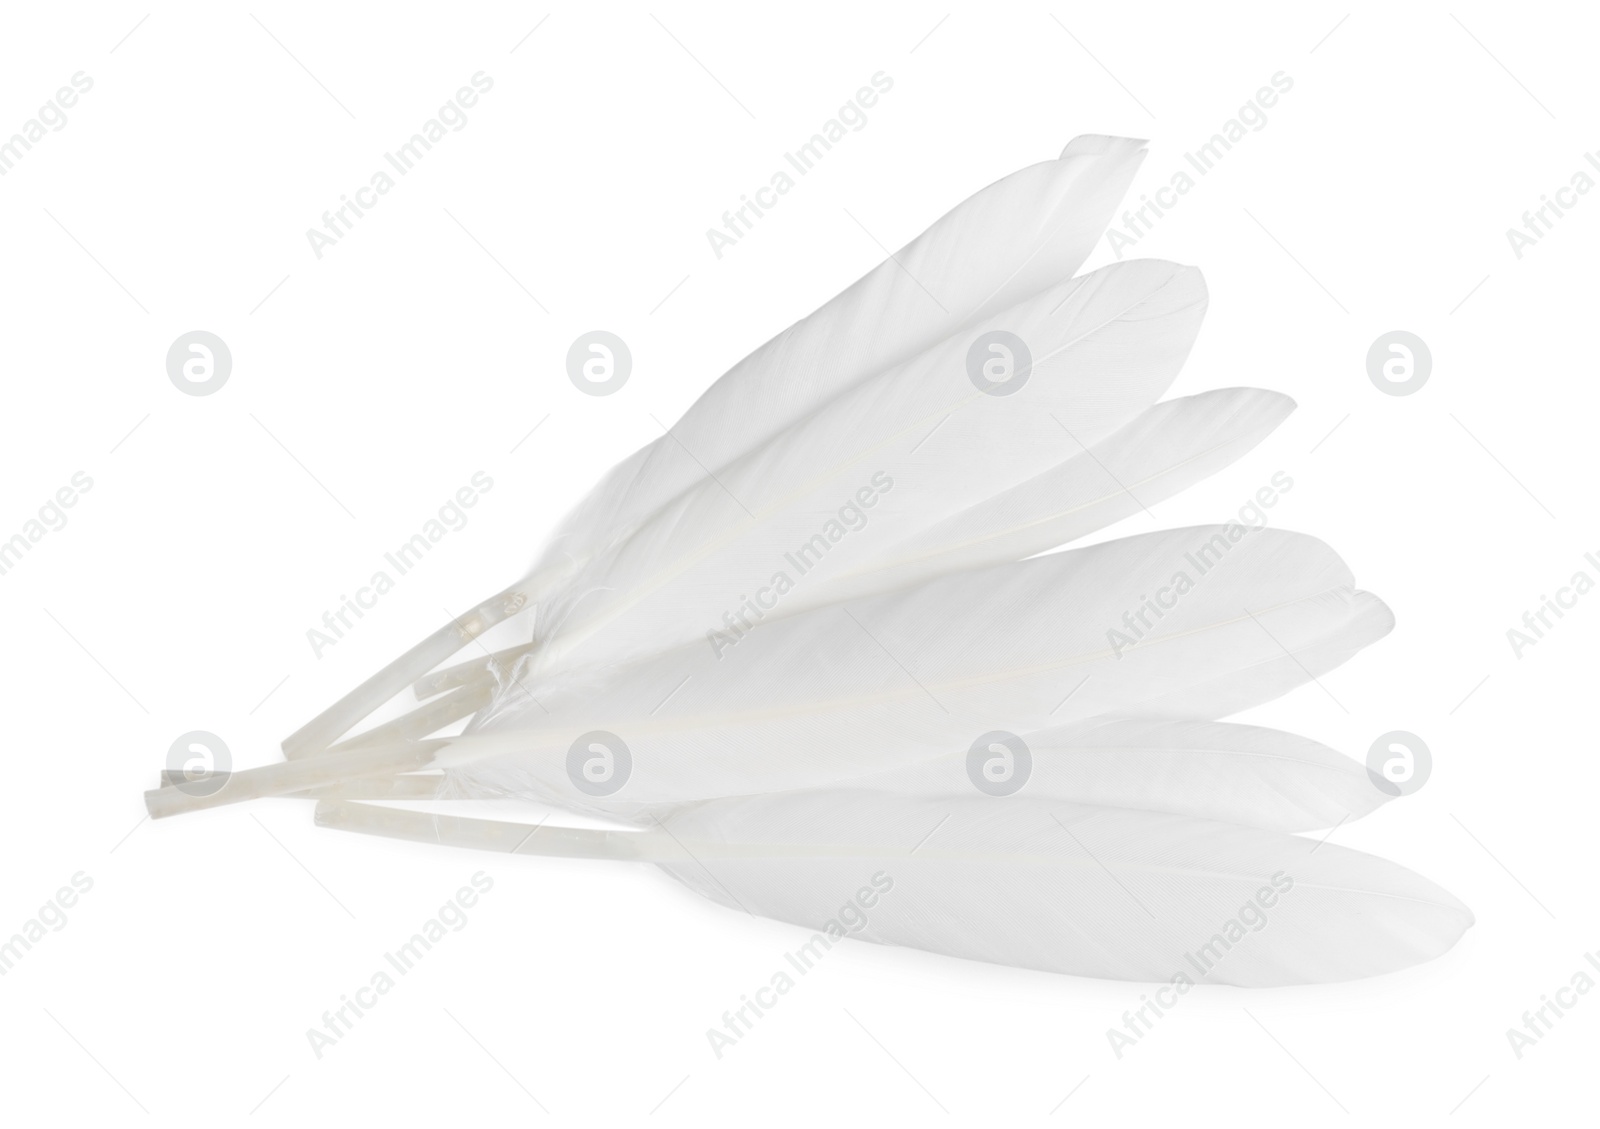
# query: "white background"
[370,384]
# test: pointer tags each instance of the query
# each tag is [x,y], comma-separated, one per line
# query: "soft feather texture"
[1104,347]
[1028,231]
[1162,451]
[1232,689]
[1091,891]
[840,692]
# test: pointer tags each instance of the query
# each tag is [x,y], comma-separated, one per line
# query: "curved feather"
[1238,687]
[1078,889]
[1160,453]
[1027,231]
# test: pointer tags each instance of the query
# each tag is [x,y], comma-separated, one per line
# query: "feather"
[1058,887]
[1020,235]
[1085,890]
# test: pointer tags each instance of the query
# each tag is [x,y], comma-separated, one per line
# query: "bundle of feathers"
[805,644]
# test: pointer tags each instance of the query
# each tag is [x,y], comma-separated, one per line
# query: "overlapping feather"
[799,607]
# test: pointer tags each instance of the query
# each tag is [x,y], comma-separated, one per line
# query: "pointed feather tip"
[1103,145]
[1460,907]
[1450,902]
[1270,403]
[1376,613]
[1179,285]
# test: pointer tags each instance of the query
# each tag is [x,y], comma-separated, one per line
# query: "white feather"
[1053,886]
[1160,453]
[1030,230]
[1089,891]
